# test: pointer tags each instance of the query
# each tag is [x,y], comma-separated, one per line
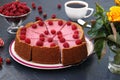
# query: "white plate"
[31,64]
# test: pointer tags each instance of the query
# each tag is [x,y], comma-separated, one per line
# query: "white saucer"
[31,64]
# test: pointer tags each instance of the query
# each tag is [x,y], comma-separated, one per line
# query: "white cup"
[75,13]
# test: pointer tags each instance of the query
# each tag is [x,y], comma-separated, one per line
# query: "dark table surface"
[91,69]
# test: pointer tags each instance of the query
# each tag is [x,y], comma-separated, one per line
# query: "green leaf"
[92,34]
[99,10]
[97,25]
[112,41]
[97,33]
[100,47]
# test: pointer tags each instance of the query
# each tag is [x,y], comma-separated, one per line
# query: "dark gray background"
[91,69]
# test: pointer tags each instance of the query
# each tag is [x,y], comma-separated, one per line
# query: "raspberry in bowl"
[14,13]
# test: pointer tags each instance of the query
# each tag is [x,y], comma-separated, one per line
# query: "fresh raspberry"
[34,26]
[59,32]
[22,37]
[39,43]
[52,44]
[27,40]
[14,9]
[50,39]
[1,60]
[39,7]
[68,23]
[23,29]
[78,41]
[42,38]
[0,65]
[33,5]
[60,22]
[53,16]
[44,15]
[42,35]
[38,18]
[60,36]
[1,42]
[59,6]
[53,31]
[22,32]
[76,32]
[62,40]
[8,61]
[75,36]
[74,27]
[40,11]
[46,32]
[66,45]
[41,23]
[50,22]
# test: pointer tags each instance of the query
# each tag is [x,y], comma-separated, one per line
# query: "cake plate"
[31,64]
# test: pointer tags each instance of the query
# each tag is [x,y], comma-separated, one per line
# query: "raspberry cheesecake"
[54,41]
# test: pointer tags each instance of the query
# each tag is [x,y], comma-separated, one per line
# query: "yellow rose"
[114,14]
[117,2]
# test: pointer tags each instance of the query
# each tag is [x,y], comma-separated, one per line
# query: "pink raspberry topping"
[60,36]
[27,40]
[62,40]
[46,32]
[23,29]
[78,41]
[42,35]
[50,39]
[76,32]
[42,38]
[53,44]
[60,22]
[66,45]
[41,23]
[22,32]
[68,23]
[59,32]
[53,31]
[75,36]
[22,37]
[74,27]
[34,26]
[50,22]
[39,43]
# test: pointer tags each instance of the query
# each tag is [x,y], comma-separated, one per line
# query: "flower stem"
[114,30]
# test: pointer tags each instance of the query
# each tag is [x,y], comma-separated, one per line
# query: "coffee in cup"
[77,9]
